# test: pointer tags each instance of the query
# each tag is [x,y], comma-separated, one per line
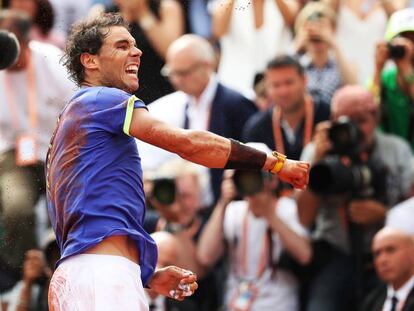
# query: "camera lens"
[396,51]
[164,190]
[248,182]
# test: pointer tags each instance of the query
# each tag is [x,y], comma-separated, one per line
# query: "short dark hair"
[87,37]
[283,61]
[45,16]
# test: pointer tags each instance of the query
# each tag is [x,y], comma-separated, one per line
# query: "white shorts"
[90,282]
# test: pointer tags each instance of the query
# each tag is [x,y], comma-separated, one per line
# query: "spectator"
[42,15]
[250,34]
[325,66]
[346,216]
[34,91]
[262,100]
[288,125]
[394,262]
[201,101]
[256,230]
[395,85]
[360,24]
[30,293]
[176,195]
[154,26]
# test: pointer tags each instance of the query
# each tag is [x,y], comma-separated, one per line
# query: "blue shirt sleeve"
[113,110]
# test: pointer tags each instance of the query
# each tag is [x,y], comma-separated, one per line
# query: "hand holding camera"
[321,140]
[35,269]
[366,212]
[228,188]
[400,50]
[320,30]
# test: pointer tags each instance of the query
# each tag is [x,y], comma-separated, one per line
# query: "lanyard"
[264,254]
[31,96]
[277,132]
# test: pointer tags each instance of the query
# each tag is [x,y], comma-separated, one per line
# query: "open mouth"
[132,70]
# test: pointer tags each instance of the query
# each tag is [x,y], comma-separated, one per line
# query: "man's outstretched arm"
[214,151]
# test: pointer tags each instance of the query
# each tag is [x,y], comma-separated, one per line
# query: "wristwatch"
[281,158]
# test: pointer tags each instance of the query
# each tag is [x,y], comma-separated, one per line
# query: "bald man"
[201,102]
[393,252]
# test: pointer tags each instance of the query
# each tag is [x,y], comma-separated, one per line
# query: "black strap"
[245,157]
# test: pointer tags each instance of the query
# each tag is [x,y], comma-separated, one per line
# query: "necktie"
[394,302]
[151,306]
[186,124]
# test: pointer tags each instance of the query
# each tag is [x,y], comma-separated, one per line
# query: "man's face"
[188,195]
[187,73]
[392,259]
[118,60]
[285,87]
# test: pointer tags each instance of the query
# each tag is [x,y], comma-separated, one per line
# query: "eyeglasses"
[167,72]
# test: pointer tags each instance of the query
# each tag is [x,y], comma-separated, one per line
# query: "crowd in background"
[329,81]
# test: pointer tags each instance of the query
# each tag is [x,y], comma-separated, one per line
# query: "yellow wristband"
[281,158]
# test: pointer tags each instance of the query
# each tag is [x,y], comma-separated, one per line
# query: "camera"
[346,137]
[396,51]
[164,190]
[248,182]
[252,182]
[342,171]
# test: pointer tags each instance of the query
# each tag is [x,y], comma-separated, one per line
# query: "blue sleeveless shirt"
[94,175]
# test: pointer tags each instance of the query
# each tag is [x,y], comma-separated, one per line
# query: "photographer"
[176,195]
[30,293]
[344,223]
[256,231]
[394,85]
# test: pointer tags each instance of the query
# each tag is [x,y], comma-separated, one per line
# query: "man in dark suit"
[394,262]
[201,101]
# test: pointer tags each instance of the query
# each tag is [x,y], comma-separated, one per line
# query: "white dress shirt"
[401,294]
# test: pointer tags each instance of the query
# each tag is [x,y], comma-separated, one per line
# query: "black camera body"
[249,182]
[396,51]
[342,171]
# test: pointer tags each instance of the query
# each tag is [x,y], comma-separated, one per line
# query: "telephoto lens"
[248,182]
[9,49]
[164,190]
